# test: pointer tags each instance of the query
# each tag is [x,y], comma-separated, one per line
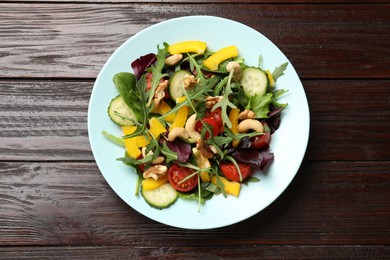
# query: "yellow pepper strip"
[231,187]
[198,47]
[233,116]
[156,128]
[214,60]
[151,184]
[202,163]
[140,141]
[164,108]
[131,143]
[181,99]
[180,118]
[270,78]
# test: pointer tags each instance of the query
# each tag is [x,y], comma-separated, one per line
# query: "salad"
[195,123]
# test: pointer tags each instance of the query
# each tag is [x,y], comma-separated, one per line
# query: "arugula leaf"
[191,196]
[114,139]
[250,179]
[126,84]
[157,73]
[222,141]
[169,154]
[224,103]
[279,71]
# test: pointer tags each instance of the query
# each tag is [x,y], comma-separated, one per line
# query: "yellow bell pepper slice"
[198,47]
[270,78]
[180,118]
[223,54]
[140,141]
[202,163]
[151,184]
[131,143]
[164,108]
[181,99]
[231,187]
[156,128]
[233,116]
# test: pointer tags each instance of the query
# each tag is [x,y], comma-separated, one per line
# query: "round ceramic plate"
[288,143]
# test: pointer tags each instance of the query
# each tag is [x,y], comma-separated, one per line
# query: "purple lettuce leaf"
[273,119]
[182,149]
[258,159]
[142,63]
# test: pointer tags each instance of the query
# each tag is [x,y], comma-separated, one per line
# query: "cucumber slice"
[118,105]
[176,84]
[160,198]
[254,81]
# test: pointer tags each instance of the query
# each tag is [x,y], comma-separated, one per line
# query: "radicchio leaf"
[182,149]
[255,158]
[273,120]
[142,63]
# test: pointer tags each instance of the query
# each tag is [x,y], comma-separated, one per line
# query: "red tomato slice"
[261,141]
[230,171]
[217,116]
[212,124]
[176,174]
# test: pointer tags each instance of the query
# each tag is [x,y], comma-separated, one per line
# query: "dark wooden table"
[54,202]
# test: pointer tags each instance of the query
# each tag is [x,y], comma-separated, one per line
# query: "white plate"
[288,143]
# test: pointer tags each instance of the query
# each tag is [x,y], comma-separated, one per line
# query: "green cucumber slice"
[176,84]
[160,198]
[118,105]
[254,81]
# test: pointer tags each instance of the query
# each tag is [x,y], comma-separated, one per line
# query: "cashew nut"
[155,172]
[158,160]
[190,127]
[250,124]
[246,114]
[237,73]
[178,132]
[173,59]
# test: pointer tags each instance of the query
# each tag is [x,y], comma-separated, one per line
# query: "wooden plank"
[44,120]
[173,252]
[59,203]
[356,130]
[213,1]
[47,120]
[75,40]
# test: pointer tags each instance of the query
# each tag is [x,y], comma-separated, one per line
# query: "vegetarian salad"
[195,123]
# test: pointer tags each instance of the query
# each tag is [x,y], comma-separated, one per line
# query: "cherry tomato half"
[217,116]
[261,141]
[230,171]
[211,123]
[176,175]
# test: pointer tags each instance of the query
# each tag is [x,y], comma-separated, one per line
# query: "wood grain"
[75,40]
[211,1]
[70,204]
[171,252]
[47,120]
[44,120]
[54,202]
